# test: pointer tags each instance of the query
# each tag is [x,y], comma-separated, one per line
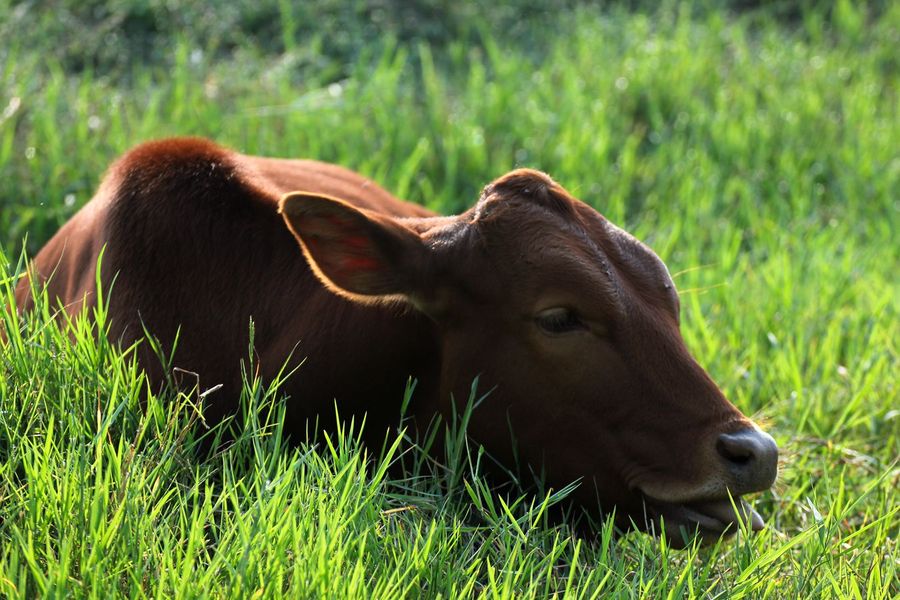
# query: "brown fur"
[196,239]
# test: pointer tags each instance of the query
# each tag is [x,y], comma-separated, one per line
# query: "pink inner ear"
[357,256]
[351,258]
[339,222]
[357,242]
[359,263]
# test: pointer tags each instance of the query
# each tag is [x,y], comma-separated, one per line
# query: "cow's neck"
[360,359]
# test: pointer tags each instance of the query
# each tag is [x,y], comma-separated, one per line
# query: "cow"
[570,322]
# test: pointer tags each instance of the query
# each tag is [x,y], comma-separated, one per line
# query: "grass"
[756,154]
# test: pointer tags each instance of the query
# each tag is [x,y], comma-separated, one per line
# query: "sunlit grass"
[758,158]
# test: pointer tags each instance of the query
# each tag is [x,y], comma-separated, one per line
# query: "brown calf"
[571,321]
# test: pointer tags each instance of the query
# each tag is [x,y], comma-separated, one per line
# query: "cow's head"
[575,325]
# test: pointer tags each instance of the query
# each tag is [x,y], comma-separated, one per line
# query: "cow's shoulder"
[185,191]
[191,172]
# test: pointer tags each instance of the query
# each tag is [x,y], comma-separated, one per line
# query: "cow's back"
[289,175]
[195,249]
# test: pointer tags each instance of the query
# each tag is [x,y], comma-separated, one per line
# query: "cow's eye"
[559,320]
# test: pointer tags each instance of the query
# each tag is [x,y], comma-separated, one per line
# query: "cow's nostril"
[751,457]
[734,449]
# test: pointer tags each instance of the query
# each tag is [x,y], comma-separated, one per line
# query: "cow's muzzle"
[750,458]
[709,519]
[748,462]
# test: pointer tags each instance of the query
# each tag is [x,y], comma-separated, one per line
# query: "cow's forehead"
[516,242]
[528,226]
[523,190]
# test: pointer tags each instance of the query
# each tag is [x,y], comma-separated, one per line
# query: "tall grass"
[758,158]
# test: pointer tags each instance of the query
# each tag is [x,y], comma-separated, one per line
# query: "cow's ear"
[356,253]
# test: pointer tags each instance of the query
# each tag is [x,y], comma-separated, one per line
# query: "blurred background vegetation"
[114,36]
[474,83]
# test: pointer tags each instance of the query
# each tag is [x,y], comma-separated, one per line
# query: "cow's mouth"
[710,519]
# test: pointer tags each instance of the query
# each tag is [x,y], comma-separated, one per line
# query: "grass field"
[756,150]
